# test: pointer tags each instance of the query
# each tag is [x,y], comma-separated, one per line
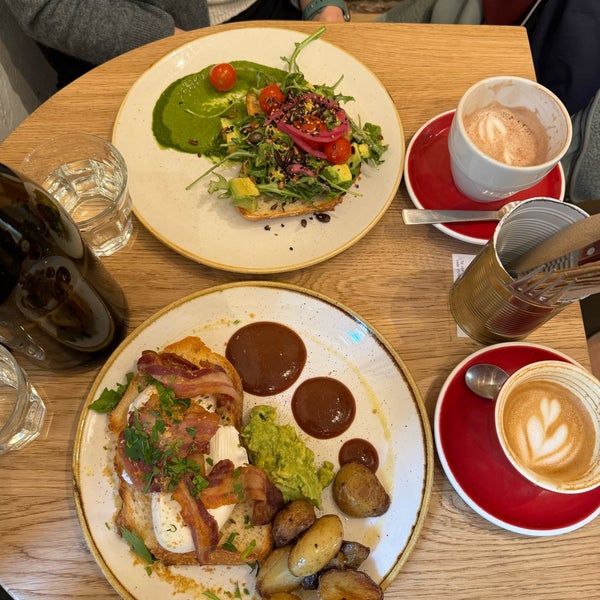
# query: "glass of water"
[22,411]
[88,176]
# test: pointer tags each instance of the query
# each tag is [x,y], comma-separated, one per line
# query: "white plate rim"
[380,184]
[448,470]
[100,381]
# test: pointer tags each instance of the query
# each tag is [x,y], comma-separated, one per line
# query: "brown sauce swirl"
[269,357]
[323,407]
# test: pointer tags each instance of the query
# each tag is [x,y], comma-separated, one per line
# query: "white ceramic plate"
[389,413]
[208,230]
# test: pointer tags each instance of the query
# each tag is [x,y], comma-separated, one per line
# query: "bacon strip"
[185,378]
[205,531]
[268,499]
[228,485]
[221,489]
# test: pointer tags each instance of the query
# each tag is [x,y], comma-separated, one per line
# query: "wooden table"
[397,278]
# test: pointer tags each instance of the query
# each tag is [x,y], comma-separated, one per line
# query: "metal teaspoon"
[485,380]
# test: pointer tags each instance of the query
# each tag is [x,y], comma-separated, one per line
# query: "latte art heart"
[548,430]
[544,438]
[512,135]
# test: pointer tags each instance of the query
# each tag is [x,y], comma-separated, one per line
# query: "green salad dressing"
[187,115]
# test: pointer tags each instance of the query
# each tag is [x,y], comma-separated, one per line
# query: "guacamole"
[287,460]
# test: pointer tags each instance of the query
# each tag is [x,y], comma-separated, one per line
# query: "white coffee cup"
[530,123]
[547,417]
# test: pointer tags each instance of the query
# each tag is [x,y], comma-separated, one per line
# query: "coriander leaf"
[228,544]
[108,399]
[137,545]
[248,549]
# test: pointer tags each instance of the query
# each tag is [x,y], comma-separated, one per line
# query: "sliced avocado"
[229,131]
[338,173]
[355,158]
[364,150]
[243,187]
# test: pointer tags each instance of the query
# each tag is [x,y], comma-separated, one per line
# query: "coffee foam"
[549,431]
[514,136]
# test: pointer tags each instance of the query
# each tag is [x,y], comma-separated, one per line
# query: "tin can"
[485,300]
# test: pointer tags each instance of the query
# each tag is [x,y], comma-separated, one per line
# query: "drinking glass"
[88,177]
[22,411]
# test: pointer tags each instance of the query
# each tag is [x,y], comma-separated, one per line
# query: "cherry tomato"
[338,152]
[271,97]
[310,124]
[222,77]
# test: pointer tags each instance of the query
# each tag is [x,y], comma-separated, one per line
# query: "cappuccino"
[549,431]
[547,418]
[511,135]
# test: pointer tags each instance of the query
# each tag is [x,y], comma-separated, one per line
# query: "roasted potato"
[283,596]
[348,584]
[274,575]
[358,492]
[316,546]
[293,519]
[350,556]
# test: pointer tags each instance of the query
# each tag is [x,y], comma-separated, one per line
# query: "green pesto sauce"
[187,115]
[287,460]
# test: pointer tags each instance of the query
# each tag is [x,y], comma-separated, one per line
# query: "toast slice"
[271,208]
[252,543]
[239,541]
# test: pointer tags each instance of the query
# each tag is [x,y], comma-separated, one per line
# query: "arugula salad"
[292,139]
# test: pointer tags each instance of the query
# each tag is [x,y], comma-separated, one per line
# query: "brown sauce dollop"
[359,450]
[268,356]
[323,407]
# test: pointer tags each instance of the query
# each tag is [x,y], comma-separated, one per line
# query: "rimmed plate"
[429,182]
[471,456]
[390,414]
[197,224]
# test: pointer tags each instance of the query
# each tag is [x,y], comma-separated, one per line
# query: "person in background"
[564,36]
[76,35]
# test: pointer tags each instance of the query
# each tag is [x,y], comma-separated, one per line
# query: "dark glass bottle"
[58,304]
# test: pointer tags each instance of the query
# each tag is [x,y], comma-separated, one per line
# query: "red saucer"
[471,456]
[429,182]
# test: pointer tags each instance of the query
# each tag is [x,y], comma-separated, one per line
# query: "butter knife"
[422,216]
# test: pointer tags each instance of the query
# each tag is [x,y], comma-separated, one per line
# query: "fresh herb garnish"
[248,549]
[228,543]
[138,546]
[146,441]
[108,399]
